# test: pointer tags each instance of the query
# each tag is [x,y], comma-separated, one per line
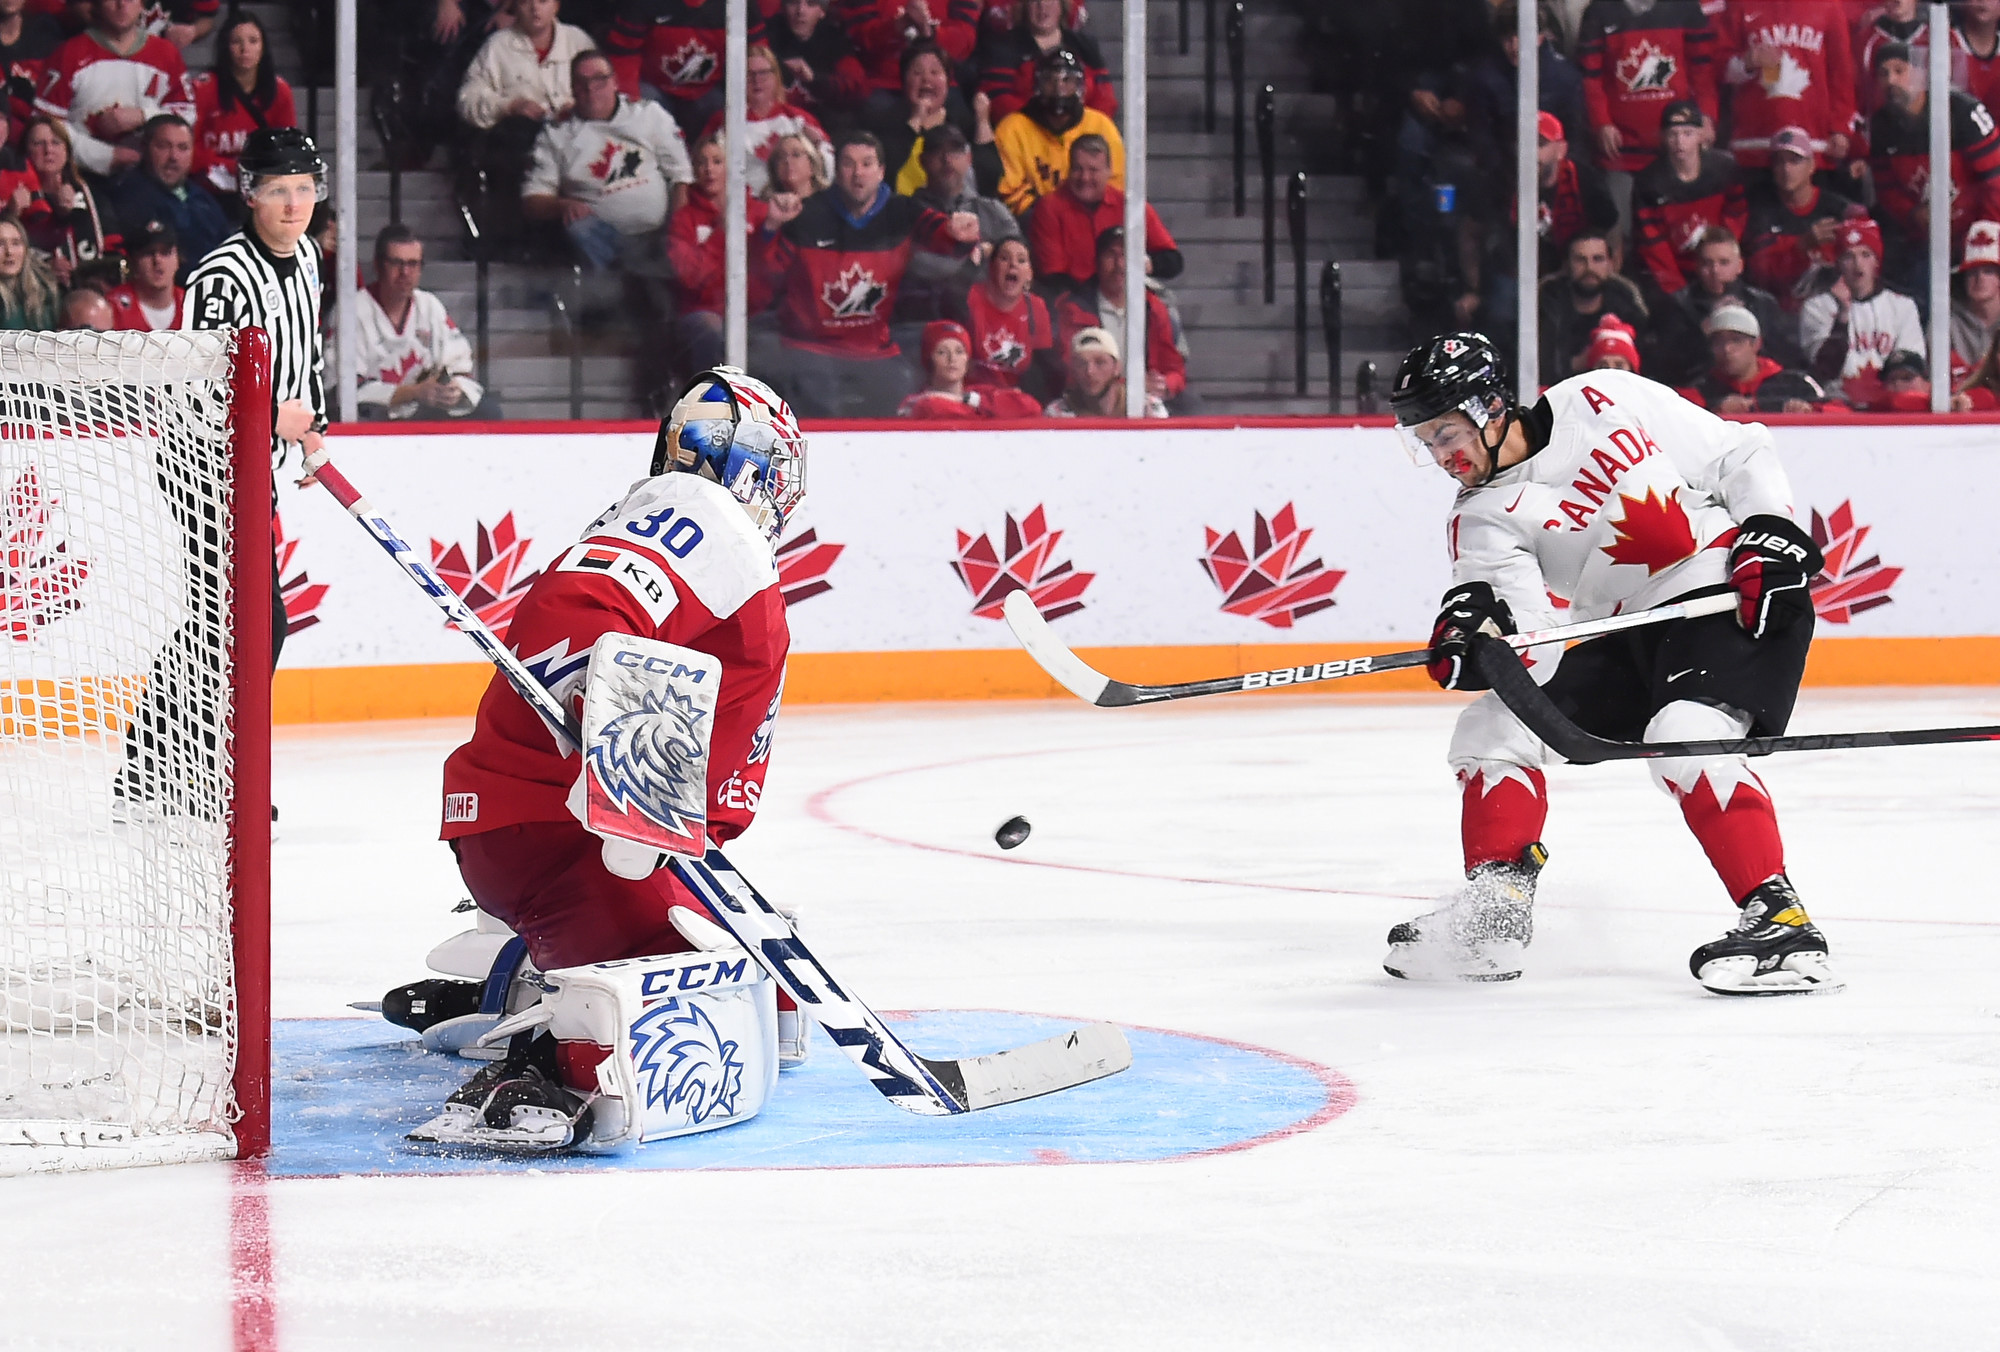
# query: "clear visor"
[257,187]
[1450,441]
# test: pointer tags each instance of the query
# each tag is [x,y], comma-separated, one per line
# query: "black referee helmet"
[275,152]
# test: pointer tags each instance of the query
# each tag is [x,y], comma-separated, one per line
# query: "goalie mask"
[733,429]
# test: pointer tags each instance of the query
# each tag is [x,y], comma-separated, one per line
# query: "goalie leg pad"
[672,1045]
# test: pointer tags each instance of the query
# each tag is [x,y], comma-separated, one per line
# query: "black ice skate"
[421,1004]
[515,1106]
[1775,949]
[1481,934]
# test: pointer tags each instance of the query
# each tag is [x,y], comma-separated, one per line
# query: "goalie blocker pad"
[682,1043]
[648,716]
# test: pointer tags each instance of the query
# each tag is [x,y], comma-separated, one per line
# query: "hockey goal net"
[135,596]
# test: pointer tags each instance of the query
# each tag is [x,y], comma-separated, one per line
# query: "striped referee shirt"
[241,283]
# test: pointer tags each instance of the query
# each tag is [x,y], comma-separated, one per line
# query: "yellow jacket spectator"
[1034,143]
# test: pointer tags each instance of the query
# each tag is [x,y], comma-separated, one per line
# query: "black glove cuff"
[1779,539]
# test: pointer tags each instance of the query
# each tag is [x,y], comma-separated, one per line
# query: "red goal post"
[136,607]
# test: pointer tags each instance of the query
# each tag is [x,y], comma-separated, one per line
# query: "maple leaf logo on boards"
[1787,79]
[802,567]
[690,63]
[1847,585]
[492,587]
[1055,588]
[39,577]
[1267,582]
[1655,532]
[854,294]
[1647,69]
[301,594]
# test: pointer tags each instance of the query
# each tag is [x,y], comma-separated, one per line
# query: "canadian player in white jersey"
[1612,494]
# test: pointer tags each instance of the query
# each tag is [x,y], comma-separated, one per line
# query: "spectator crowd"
[1733,195]
[934,209]
[118,175]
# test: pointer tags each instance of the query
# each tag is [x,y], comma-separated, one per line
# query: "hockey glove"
[1771,566]
[1469,608]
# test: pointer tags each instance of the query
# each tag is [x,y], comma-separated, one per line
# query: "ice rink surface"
[1599,1156]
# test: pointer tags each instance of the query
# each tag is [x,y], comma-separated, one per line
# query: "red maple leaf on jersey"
[1655,532]
[802,567]
[1267,582]
[494,586]
[39,577]
[1055,588]
[302,595]
[1847,585]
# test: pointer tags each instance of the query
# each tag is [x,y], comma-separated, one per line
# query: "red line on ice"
[253,1289]
[819,806]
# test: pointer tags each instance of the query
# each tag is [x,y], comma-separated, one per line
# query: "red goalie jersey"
[677,560]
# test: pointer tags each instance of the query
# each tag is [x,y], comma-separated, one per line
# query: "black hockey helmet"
[1059,60]
[274,152]
[1452,372]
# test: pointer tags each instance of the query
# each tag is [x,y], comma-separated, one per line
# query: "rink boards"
[1162,552]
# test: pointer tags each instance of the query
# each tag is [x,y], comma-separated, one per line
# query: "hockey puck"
[1012,832]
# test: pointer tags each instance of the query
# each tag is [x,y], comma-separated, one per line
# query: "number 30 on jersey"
[677,535]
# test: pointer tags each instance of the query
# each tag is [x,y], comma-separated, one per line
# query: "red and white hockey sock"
[1729,810]
[1502,811]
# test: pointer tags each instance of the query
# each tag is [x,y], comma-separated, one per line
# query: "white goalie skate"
[1481,934]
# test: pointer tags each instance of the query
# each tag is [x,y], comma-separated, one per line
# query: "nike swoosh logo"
[1677,675]
[1517,499]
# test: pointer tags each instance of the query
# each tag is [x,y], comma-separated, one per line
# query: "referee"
[266,275]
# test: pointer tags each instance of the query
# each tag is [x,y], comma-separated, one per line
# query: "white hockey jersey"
[1633,503]
[83,77]
[621,166]
[1884,323]
[388,356]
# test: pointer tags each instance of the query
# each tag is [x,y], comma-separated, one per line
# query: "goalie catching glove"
[1771,566]
[1469,608]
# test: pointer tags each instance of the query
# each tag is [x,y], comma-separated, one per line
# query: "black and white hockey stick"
[1501,666]
[1094,687]
[919,1083]
[935,1088]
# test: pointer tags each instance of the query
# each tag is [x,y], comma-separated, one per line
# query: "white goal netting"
[118,1008]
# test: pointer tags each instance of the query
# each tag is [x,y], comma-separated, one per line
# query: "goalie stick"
[1501,666]
[933,1088]
[1094,687]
